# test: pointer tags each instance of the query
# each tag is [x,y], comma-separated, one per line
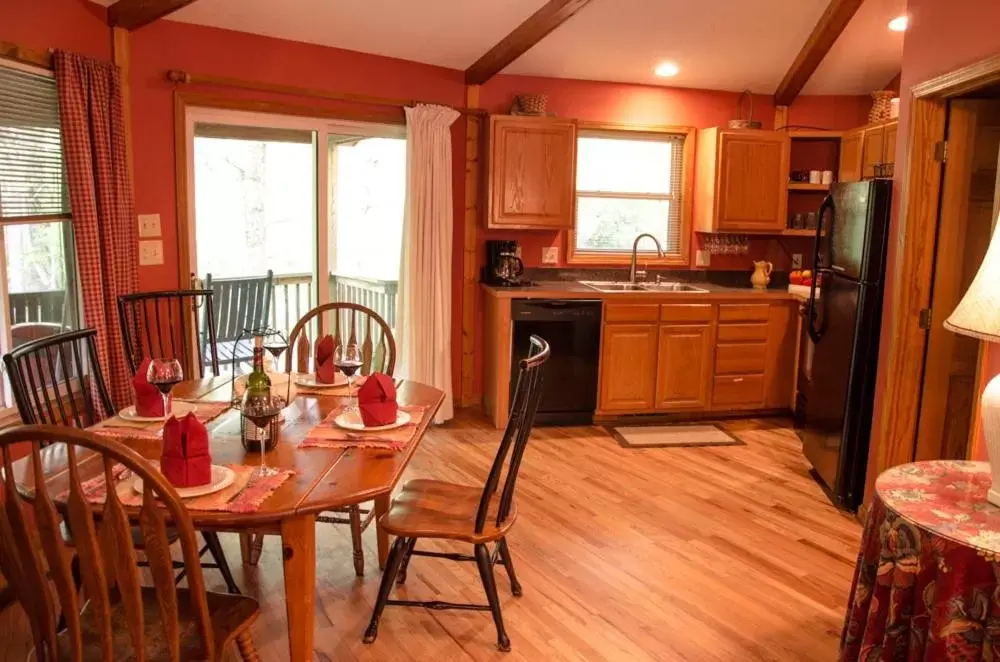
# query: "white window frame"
[575,256]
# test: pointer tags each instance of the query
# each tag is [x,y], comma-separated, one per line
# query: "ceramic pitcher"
[761,276]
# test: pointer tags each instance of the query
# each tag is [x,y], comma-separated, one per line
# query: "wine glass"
[275,343]
[261,409]
[347,359]
[164,374]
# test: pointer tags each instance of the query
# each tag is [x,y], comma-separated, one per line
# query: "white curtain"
[423,322]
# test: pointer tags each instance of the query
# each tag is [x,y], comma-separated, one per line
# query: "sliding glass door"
[288,212]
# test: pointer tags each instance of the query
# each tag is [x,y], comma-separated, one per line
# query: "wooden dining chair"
[123,619]
[350,323]
[166,324]
[59,381]
[466,513]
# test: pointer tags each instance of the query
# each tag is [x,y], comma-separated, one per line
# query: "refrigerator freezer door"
[858,229]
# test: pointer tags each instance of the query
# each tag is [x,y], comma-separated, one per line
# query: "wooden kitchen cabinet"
[742,180]
[628,367]
[850,156]
[872,151]
[531,177]
[684,367]
[889,144]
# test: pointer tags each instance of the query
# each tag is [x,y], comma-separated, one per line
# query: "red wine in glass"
[347,359]
[348,367]
[165,387]
[164,374]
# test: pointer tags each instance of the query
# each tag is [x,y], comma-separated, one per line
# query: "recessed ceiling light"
[899,23]
[666,69]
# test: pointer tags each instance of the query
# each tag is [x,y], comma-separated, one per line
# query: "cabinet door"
[531,173]
[850,156]
[753,181]
[628,367]
[782,349]
[684,367]
[871,154]
[889,146]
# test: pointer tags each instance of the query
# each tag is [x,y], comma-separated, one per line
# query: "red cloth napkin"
[148,400]
[377,401]
[186,461]
[326,372]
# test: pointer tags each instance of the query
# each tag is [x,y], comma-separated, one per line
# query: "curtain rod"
[183,77]
[14,52]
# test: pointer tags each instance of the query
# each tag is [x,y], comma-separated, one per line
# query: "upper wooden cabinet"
[866,147]
[742,180]
[889,144]
[872,151]
[532,170]
[850,156]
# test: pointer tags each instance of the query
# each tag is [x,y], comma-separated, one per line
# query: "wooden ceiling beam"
[830,26]
[133,14]
[551,15]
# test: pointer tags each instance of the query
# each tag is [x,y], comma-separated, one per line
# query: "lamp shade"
[978,313]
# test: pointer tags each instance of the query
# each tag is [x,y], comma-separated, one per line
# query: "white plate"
[179,409]
[351,420]
[309,380]
[222,477]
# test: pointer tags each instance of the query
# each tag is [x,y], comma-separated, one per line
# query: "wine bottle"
[258,383]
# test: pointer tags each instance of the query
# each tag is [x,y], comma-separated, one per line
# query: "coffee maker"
[503,267]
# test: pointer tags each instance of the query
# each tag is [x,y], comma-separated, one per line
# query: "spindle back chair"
[349,323]
[166,325]
[58,380]
[466,513]
[121,621]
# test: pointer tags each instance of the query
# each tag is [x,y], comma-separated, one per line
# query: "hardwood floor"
[724,553]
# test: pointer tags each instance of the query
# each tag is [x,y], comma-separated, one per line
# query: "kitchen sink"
[615,286]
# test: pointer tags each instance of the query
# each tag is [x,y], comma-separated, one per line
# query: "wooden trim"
[470,391]
[181,186]
[829,28]
[683,258]
[961,81]
[133,14]
[815,134]
[535,28]
[780,117]
[123,58]
[41,218]
[222,102]
[12,51]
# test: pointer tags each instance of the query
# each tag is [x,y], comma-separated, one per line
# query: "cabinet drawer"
[742,332]
[741,359]
[742,391]
[743,312]
[631,312]
[686,312]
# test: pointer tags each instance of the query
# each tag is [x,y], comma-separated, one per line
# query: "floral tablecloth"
[927,583]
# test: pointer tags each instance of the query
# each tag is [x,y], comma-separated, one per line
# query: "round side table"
[927,582]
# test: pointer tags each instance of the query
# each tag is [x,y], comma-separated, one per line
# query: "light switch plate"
[702,259]
[550,255]
[796,260]
[149,225]
[150,252]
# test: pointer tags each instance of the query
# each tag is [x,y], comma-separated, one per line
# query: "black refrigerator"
[833,409]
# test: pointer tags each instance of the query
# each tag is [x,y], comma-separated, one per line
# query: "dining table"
[321,479]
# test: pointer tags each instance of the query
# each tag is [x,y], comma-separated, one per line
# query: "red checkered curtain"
[93,127]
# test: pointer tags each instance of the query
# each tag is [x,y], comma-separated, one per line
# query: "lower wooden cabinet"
[628,367]
[684,367]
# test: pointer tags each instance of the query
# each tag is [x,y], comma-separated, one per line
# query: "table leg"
[381,508]
[298,547]
[251,545]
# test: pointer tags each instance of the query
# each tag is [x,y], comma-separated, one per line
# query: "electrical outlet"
[702,259]
[550,255]
[796,260]
[150,252]
[149,225]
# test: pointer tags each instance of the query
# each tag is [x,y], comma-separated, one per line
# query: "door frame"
[896,420]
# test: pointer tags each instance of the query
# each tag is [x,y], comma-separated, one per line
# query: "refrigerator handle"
[817,331]
[823,208]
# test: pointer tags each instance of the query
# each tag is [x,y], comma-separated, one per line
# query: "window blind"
[656,194]
[32,171]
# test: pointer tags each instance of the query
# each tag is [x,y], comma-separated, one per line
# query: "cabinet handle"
[737,380]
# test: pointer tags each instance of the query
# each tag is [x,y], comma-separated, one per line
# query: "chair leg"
[215,549]
[251,545]
[388,577]
[489,583]
[359,550]
[405,563]
[247,650]
[508,563]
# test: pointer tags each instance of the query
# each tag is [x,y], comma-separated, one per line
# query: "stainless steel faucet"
[635,246]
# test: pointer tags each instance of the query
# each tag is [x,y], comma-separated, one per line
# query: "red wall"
[72,25]
[943,35]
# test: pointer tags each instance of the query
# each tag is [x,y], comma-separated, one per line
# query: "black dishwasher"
[572,327]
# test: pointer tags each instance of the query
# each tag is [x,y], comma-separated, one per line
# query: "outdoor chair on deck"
[237,304]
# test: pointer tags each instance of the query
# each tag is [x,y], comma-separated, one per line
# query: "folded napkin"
[186,461]
[377,401]
[326,372]
[148,400]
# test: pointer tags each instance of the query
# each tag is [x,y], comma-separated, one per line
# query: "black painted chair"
[466,513]
[166,325]
[59,381]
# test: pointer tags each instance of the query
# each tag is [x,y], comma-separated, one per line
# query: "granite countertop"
[562,289]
